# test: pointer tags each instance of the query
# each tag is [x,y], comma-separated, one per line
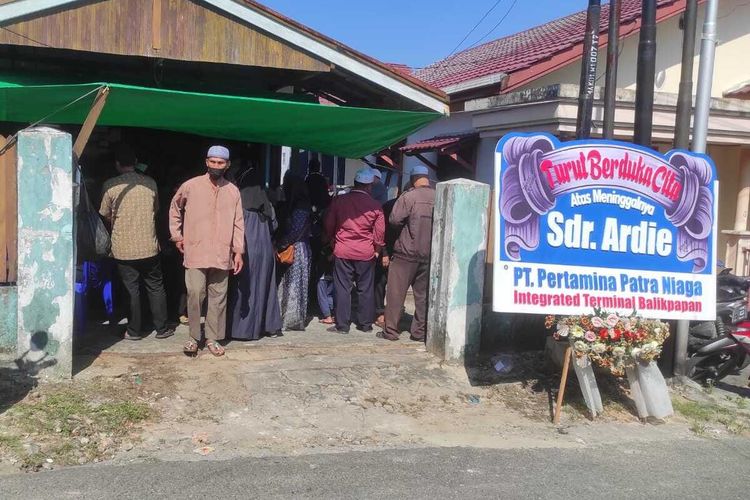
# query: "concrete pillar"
[45,251]
[8,321]
[459,246]
[743,192]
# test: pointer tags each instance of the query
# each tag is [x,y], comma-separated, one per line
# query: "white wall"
[486,160]
[731,68]
[456,123]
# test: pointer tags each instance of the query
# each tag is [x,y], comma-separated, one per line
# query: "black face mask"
[216,173]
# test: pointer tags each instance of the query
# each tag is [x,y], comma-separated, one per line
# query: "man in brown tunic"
[129,205]
[410,263]
[207,226]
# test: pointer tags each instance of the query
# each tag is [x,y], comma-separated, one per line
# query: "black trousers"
[148,272]
[345,273]
[381,280]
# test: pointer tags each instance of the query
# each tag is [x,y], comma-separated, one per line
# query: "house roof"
[285,29]
[440,143]
[528,49]
[740,91]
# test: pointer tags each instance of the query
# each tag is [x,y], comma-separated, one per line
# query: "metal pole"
[644,92]
[705,78]
[700,133]
[685,97]
[588,70]
[682,141]
[610,86]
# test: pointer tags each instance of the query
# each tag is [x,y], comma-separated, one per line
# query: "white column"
[743,193]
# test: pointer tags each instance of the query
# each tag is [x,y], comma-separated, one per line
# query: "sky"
[420,32]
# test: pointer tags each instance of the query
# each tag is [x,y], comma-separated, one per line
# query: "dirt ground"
[307,392]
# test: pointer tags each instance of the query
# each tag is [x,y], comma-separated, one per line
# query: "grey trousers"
[401,275]
[216,282]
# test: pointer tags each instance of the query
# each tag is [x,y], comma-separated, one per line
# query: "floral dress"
[296,278]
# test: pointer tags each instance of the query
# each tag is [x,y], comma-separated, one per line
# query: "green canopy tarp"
[334,130]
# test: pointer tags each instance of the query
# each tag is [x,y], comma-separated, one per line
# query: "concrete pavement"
[692,468]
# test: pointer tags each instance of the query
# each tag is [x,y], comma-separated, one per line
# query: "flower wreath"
[611,341]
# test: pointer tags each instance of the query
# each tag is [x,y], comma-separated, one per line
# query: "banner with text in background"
[603,224]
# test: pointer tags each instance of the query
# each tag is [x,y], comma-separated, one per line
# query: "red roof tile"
[401,68]
[524,49]
[741,91]
[439,143]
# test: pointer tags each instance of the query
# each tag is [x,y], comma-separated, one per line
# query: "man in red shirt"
[356,227]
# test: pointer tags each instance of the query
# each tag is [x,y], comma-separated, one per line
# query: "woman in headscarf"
[295,217]
[254,303]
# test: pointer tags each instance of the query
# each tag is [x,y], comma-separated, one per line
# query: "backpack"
[92,238]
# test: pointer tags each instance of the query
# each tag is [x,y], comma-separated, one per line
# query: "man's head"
[377,176]
[217,161]
[125,159]
[419,176]
[363,179]
[313,166]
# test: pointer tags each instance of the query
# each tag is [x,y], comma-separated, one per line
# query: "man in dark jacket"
[381,268]
[410,263]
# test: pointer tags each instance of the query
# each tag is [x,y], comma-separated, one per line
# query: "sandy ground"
[315,391]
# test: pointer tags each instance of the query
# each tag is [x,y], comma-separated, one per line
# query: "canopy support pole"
[468,166]
[426,161]
[90,122]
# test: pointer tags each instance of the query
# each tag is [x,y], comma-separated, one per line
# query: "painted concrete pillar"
[45,251]
[459,246]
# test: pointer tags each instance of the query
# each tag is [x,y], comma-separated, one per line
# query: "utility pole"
[685,96]
[588,70]
[682,141]
[610,86]
[700,134]
[644,92]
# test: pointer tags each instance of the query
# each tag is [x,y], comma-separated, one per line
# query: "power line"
[495,26]
[476,25]
[445,64]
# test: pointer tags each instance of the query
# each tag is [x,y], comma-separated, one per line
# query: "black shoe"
[336,329]
[130,336]
[366,329]
[165,334]
[382,335]
[416,339]
[276,334]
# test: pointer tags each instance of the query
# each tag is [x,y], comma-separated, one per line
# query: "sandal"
[190,348]
[215,348]
[327,321]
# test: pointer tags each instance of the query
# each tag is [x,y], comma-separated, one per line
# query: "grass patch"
[69,425]
[10,444]
[119,415]
[69,412]
[702,415]
[699,412]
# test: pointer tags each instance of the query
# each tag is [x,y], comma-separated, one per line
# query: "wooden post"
[90,122]
[156,25]
[8,212]
[563,381]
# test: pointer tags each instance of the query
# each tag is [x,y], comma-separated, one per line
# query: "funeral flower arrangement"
[611,341]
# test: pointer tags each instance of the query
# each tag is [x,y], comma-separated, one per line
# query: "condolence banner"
[603,224]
